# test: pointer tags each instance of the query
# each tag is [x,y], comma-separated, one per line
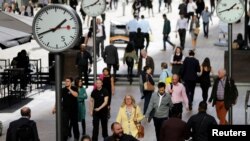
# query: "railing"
[247,105]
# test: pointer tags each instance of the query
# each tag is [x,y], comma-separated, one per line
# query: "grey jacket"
[163,110]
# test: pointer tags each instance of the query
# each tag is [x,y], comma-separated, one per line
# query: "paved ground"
[42,103]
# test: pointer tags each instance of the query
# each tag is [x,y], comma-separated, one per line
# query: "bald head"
[221,73]
[175,79]
[143,53]
[26,112]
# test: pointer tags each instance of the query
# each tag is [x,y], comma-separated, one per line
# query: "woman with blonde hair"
[129,114]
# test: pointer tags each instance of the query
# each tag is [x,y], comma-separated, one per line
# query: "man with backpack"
[23,129]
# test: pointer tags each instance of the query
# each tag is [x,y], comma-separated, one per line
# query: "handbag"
[168,79]
[196,31]
[139,126]
[148,86]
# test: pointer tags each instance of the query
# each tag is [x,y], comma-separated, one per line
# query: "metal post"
[94,43]
[230,114]
[246,23]
[58,82]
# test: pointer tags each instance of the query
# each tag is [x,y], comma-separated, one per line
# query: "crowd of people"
[175,89]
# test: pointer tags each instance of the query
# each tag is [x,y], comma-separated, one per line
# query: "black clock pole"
[229,69]
[58,83]
[94,44]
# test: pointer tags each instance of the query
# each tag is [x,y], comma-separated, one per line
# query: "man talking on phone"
[69,110]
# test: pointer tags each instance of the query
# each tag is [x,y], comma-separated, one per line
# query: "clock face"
[93,7]
[230,11]
[56,27]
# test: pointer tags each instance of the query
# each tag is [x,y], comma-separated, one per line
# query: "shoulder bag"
[147,85]
[139,126]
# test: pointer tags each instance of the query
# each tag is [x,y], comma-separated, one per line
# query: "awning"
[14,29]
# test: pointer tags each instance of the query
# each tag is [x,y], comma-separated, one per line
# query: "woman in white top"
[89,41]
[191,7]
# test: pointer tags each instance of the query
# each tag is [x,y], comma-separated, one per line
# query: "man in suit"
[111,58]
[83,59]
[224,95]
[191,67]
[24,122]
[145,60]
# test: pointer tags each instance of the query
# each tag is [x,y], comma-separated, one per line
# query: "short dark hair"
[161,85]
[202,106]
[70,78]
[142,16]
[113,125]
[164,65]
[164,15]
[85,137]
[191,53]
[146,68]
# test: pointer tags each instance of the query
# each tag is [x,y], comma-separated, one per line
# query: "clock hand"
[92,4]
[59,25]
[53,29]
[228,8]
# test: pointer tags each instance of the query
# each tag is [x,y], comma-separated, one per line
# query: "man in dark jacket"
[118,134]
[145,60]
[83,59]
[174,129]
[191,67]
[200,123]
[166,31]
[224,95]
[23,129]
[111,58]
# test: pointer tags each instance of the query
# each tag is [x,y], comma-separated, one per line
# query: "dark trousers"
[83,71]
[158,123]
[177,108]
[204,92]
[130,65]
[190,14]
[182,35]
[132,36]
[104,121]
[190,87]
[69,119]
[147,97]
[205,28]
[166,39]
[146,37]
[114,66]
[99,42]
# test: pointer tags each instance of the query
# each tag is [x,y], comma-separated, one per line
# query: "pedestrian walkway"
[42,103]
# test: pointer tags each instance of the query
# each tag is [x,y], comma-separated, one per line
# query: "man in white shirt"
[181,28]
[145,29]
[132,28]
[100,37]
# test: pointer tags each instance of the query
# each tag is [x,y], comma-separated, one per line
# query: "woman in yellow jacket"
[128,114]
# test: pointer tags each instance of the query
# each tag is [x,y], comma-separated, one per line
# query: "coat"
[230,92]
[110,55]
[14,125]
[128,125]
[82,95]
[166,27]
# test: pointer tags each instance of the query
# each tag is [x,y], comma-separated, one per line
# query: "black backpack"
[25,133]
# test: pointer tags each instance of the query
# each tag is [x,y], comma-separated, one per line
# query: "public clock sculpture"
[57,27]
[93,7]
[230,11]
